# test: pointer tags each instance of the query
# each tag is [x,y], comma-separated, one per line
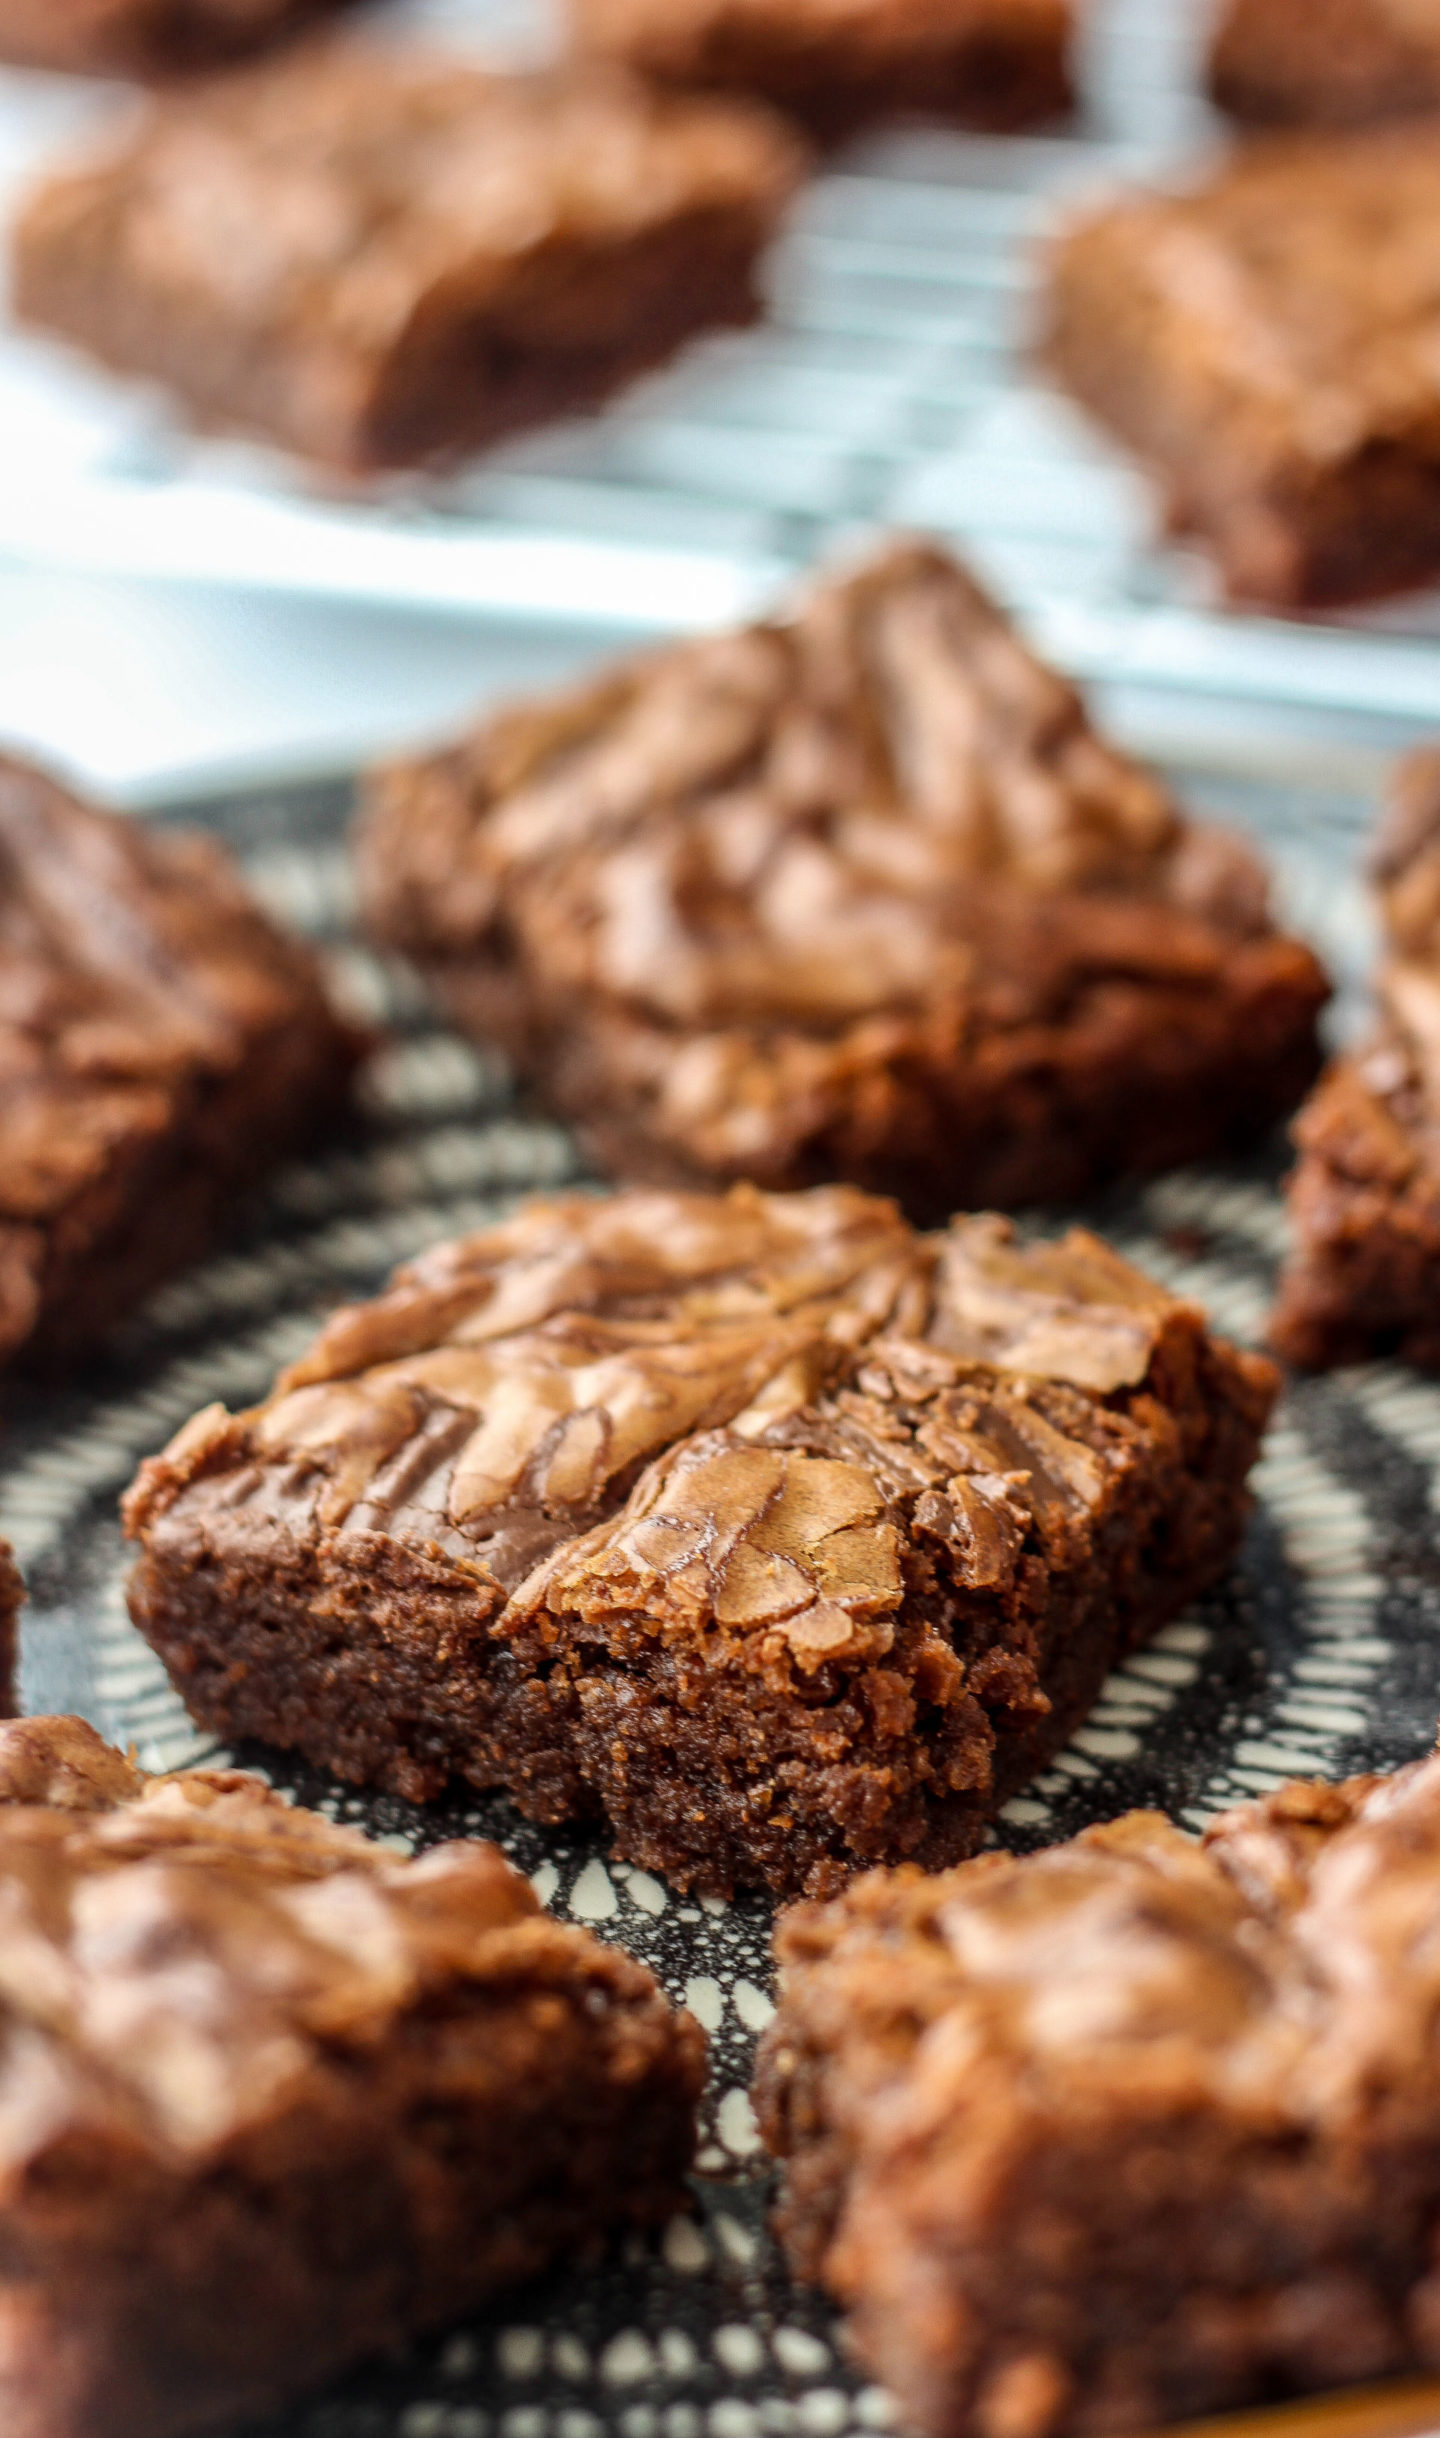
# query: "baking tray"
[885,389]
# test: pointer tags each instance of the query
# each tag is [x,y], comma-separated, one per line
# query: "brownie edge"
[299,2102]
[1136,2129]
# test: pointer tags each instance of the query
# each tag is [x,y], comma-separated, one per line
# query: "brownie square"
[378,258]
[1132,2129]
[1326,62]
[147,37]
[162,1044]
[12,1597]
[835,65]
[1363,1276]
[777,1536]
[1265,342]
[858,893]
[277,2101]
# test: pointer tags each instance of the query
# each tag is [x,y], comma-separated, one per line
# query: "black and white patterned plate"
[1320,1655]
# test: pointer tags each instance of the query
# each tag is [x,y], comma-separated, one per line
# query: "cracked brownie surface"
[991,63]
[780,1537]
[162,1043]
[1326,62]
[1266,342]
[381,257]
[275,2100]
[861,893]
[1133,2129]
[1363,1276]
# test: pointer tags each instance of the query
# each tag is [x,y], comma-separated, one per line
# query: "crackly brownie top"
[185,1957]
[133,966]
[1285,1967]
[319,195]
[881,802]
[795,1370]
[1298,291]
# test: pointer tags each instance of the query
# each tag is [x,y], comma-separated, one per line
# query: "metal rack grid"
[889,386]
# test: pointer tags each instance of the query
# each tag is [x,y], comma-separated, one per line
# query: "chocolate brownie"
[1364,1199]
[147,37]
[12,1597]
[1132,2129]
[162,1043]
[276,2100]
[380,257]
[1266,342]
[857,893]
[1326,62]
[990,63]
[778,1536]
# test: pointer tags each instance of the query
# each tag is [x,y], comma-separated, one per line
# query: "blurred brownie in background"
[1363,1277]
[1326,62]
[780,1537]
[838,63]
[854,893]
[12,1598]
[149,38]
[1267,343]
[278,2099]
[1137,2129]
[380,258]
[162,1044]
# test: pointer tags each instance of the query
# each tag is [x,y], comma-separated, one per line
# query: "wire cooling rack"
[888,386]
